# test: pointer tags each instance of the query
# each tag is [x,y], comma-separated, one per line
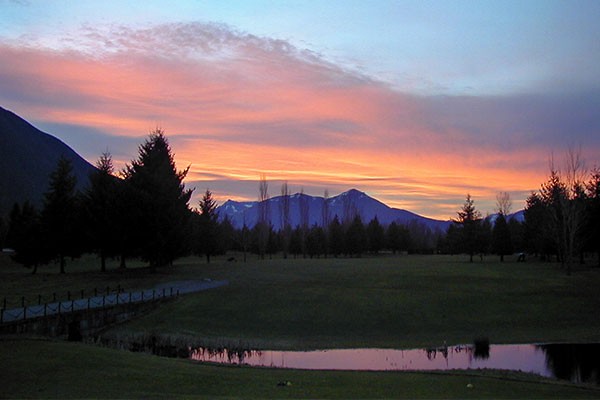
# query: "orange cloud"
[236,106]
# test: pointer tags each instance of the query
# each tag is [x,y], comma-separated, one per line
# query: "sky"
[416,103]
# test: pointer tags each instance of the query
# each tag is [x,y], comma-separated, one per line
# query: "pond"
[573,362]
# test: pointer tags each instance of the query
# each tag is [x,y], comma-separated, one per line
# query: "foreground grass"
[50,369]
[394,302]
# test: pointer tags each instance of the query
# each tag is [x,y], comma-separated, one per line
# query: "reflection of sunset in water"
[526,358]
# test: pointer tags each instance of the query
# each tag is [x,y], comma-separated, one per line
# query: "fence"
[70,305]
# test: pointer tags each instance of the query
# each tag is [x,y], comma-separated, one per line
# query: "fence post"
[45,309]
[163,293]
[23,301]
[129,297]
[103,301]
[24,313]
[171,291]
[88,307]
[153,293]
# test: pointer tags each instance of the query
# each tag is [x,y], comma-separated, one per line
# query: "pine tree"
[24,236]
[501,240]
[102,219]
[469,219]
[163,222]
[593,188]
[375,236]
[61,215]
[356,237]
[336,237]
[206,226]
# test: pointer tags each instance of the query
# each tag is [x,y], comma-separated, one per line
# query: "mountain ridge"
[345,205]
[27,158]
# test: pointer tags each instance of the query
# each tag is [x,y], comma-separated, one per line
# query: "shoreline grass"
[53,369]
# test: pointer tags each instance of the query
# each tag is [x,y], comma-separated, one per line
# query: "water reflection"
[574,362]
[578,363]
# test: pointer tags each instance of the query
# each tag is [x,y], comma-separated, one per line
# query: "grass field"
[399,302]
[395,302]
[49,369]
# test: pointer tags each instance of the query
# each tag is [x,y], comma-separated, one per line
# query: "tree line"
[143,212]
[561,220]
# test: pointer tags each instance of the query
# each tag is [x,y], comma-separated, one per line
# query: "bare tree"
[325,211]
[264,223]
[501,235]
[284,212]
[304,219]
[564,197]
[503,203]
[574,174]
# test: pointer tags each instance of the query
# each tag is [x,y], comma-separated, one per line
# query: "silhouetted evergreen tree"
[163,226]
[538,239]
[375,236]
[206,227]
[397,238]
[356,237]
[101,210]
[593,226]
[501,238]
[296,239]
[336,237]
[228,235]
[470,219]
[24,236]
[316,241]
[517,234]
[61,215]
[453,241]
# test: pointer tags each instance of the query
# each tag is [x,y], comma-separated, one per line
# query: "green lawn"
[399,302]
[387,301]
[49,369]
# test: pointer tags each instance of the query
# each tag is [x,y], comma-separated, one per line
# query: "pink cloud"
[237,105]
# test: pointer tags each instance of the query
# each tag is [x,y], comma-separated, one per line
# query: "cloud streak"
[237,105]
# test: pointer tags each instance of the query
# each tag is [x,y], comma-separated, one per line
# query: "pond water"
[574,362]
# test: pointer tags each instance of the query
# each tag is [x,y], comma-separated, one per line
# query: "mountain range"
[345,205]
[27,158]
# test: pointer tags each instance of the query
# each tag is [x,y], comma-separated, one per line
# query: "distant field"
[400,302]
[385,301]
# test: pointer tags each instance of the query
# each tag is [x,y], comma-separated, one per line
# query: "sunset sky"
[416,103]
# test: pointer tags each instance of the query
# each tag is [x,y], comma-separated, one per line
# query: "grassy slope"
[398,302]
[47,369]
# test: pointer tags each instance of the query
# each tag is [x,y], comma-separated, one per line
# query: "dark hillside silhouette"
[27,158]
